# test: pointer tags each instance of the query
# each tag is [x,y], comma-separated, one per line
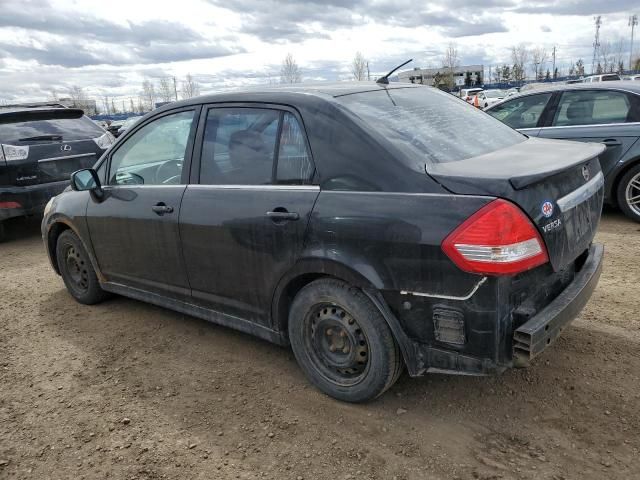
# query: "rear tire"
[342,342]
[76,270]
[2,232]
[628,194]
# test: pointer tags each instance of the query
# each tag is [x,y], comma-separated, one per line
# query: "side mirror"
[86,179]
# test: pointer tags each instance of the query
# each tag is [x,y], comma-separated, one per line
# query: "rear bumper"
[27,200]
[531,338]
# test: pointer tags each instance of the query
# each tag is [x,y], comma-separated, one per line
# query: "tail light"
[499,239]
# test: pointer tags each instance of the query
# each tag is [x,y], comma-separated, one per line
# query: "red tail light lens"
[499,239]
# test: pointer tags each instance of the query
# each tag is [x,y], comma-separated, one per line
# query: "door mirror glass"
[86,179]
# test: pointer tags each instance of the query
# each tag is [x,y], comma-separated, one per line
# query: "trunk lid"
[558,184]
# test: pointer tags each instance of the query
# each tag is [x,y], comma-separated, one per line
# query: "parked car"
[574,80]
[513,91]
[607,77]
[467,94]
[39,148]
[606,113]
[489,97]
[114,127]
[347,220]
[128,123]
[102,124]
[631,77]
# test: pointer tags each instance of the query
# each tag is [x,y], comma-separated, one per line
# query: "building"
[464,75]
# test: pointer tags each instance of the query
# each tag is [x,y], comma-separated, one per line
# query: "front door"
[134,228]
[243,225]
[595,116]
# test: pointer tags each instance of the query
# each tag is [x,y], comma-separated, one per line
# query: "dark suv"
[359,223]
[40,147]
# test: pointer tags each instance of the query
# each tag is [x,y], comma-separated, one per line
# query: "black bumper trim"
[536,334]
[32,198]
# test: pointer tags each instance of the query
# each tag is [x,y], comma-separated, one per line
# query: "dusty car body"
[376,240]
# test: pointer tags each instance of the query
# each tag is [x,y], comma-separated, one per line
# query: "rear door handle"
[161,208]
[611,142]
[279,215]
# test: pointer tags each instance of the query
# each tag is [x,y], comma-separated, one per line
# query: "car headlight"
[105,141]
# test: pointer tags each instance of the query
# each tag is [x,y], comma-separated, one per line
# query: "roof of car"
[611,85]
[302,90]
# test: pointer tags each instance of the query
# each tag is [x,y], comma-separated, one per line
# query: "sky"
[109,47]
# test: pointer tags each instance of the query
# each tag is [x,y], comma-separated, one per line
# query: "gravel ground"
[129,391]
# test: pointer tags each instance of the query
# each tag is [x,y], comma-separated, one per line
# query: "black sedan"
[359,223]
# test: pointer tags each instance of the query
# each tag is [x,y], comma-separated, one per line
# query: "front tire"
[628,194]
[76,270]
[342,342]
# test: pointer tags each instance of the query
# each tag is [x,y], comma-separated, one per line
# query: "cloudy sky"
[109,47]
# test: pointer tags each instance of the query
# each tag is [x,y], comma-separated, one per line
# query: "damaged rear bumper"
[531,338]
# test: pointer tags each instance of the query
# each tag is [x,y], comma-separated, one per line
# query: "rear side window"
[521,112]
[590,107]
[430,126]
[69,129]
[242,145]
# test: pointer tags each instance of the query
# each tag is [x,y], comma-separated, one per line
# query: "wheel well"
[616,182]
[52,240]
[287,295]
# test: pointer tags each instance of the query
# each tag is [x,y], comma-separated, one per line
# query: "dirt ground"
[126,390]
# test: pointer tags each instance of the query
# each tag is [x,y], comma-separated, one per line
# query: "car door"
[523,113]
[134,227]
[243,223]
[598,115]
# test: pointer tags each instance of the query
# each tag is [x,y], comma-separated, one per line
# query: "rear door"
[243,223]
[602,116]
[523,113]
[134,228]
[44,146]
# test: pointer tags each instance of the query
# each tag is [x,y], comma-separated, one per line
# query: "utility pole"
[596,43]
[633,21]
[175,88]
[553,72]
[369,75]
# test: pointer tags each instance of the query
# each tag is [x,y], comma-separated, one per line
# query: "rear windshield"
[430,126]
[68,128]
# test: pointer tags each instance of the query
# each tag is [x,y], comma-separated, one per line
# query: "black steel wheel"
[76,270]
[342,342]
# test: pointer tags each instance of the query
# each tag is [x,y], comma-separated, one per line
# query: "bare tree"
[290,72]
[519,56]
[190,88]
[149,95]
[604,53]
[131,105]
[78,97]
[359,67]
[165,89]
[538,59]
[619,55]
[113,106]
[450,61]
[53,95]
[105,104]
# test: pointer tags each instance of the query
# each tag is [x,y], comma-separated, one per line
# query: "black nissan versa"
[360,223]
[40,146]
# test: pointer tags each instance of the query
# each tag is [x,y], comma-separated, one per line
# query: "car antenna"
[385,80]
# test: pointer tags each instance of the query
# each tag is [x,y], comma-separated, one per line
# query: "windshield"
[494,93]
[430,126]
[53,129]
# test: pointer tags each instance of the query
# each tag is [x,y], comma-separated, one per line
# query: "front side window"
[521,112]
[590,107]
[155,154]
[241,147]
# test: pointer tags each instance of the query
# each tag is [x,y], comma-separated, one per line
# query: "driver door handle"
[161,208]
[279,215]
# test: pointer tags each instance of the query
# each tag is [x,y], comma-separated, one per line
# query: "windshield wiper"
[41,137]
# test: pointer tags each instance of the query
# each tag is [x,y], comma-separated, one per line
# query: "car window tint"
[589,107]
[69,129]
[521,112]
[238,146]
[430,126]
[294,162]
[155,154]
